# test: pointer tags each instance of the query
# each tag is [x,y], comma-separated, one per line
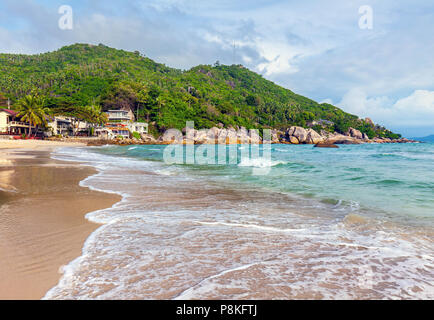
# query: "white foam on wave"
[259,162]
[345,206]
[167,172]
[194,291]
[252,226]
[10,189]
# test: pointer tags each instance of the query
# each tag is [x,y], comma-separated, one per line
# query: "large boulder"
[243,135]
[298,132]
[254,136]
[290,131]
[313,137]
[293,140]
[147,138]
[342,139]
[354,133]
[201,136]
[231,136]
[325,145]
[275,136]
[378,140]
[171,136]
[213,133]
[369,121]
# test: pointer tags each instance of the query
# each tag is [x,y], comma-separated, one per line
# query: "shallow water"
[352,223]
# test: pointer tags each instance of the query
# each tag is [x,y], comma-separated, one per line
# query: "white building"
[10,124]
[140,127]
[120,115]
[121,123]
[61,126]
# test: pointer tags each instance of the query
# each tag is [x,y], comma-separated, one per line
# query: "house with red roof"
[10,124]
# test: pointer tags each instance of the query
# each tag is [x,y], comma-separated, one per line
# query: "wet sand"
[42,224]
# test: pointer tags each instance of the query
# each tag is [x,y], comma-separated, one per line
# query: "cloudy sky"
[315,48]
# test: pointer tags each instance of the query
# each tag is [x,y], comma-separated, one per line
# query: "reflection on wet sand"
[42,225]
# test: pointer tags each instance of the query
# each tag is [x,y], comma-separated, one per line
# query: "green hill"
[82,74]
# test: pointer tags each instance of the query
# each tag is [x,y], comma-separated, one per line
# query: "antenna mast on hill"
[233,59]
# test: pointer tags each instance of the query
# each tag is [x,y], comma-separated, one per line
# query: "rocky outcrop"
[147,138]
[354,133]
[388,140]
[369,121]
[241,135]
[313,137]
[337,138]
[171,136]
[325,145]
[298,133]
[275,136]
[301,134]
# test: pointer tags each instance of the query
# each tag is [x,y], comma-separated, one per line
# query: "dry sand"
[42,224]
[36,144]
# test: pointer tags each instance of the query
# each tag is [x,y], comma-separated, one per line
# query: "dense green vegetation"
[81,75]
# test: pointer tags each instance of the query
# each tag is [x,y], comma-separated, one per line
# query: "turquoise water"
[393,180]
[348,223]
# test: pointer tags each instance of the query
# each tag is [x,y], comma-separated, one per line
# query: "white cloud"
[415,110]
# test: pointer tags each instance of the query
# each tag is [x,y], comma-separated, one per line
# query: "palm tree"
[31,110]
[95,115]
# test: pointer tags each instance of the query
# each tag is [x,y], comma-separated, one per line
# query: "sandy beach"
[42,208]
[37,144]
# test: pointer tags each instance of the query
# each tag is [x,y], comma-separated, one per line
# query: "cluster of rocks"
[144,139]
[220,135]
[213,135]
[299,135]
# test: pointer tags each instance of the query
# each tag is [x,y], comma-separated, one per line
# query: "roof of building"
[11,112]
[126,111]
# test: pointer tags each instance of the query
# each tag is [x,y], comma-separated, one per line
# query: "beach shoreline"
[42,216]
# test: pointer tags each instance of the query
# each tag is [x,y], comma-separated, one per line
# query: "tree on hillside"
[96,115]
[3,101]
[121,96]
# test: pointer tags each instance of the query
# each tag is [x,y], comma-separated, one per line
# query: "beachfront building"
[121,124]
[10,124]
[69,126]
[6,117]
[60,126]
[120,116]
[82,128]
[140,127]
[117,130]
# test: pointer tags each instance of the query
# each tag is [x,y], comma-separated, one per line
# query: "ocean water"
[350,223]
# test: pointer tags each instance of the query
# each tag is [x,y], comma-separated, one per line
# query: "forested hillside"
[81,75]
